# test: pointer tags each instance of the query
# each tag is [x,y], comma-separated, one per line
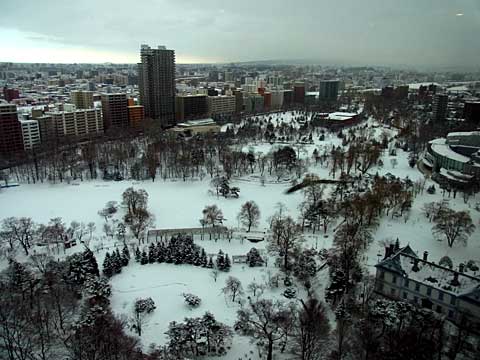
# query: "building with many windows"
[454,293]
[221,105]
[114,110]
[440,107]
[11,139]
[82,99]
[189,106]
[78,123]
[157,84]
[328,90]
[30,133]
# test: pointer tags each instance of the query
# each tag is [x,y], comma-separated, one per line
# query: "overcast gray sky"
[407,32]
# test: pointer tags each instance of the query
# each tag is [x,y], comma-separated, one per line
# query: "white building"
[31,134]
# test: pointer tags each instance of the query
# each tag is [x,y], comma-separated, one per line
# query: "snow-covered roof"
[440,147]
[404,260]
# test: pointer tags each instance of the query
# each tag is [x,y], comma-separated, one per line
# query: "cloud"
[371,31]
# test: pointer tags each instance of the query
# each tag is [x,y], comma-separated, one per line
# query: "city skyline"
[437,33]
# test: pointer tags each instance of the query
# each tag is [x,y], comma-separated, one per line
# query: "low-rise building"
[193,127]
[454,293]
[454,159]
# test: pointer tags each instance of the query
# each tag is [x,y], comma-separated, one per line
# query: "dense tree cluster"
[51,309]
[202,336]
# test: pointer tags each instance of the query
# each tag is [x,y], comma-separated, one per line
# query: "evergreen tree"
[144,258]
[220,262]
[116,261]
[107,265]
[151,253]
[227,264]
[89,263]
[254,258]
[138,255]
[160,253]
[125,256]
[203,258]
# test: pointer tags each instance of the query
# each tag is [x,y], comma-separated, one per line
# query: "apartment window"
[438,309]
[405,283]
[380,287]
[450,314]
[394,279]
[382,275]
[415,299]
[392,292]
[440,296]
[417,287]
[452,300]
[405,295]
[429,291]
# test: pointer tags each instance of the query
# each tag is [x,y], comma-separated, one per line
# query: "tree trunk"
[270,349]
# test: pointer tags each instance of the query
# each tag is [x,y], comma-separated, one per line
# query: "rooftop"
[403,262]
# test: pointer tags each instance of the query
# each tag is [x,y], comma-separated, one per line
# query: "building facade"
[136,116]
[221,105]
[82,99]
[11,139]
[440,107]
[78,123]
[190,106]
[328,90]
[30,134]
[157,84]
[471,112]
[453,293]
[115,111]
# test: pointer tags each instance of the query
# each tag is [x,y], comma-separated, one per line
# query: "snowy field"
[178,204]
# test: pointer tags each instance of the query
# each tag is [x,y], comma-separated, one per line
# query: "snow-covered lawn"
[165,284]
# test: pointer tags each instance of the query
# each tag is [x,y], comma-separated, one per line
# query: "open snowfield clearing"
[165,284]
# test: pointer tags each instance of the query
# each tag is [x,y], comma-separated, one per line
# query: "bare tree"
[18,230]
[139,222]
[312,329]
[134,199]
[263,320]
[212,215]
[286,236]
[454,226]
[233,286]
[249,214]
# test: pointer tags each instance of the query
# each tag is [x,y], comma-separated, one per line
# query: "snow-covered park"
[179,204]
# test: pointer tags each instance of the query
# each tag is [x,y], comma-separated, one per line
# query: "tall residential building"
[78,123]
[190,106]
[157,83]
[11,139]
[115,111]
[82,99]
[221,105]
[30,133]
[328,89]
[440,107]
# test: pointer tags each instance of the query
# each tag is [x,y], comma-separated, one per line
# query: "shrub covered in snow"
[254,258]
[192,300]
[144,305]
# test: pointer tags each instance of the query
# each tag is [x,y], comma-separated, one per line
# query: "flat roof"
[440,147]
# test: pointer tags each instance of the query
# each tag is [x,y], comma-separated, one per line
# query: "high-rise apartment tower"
[157,84]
